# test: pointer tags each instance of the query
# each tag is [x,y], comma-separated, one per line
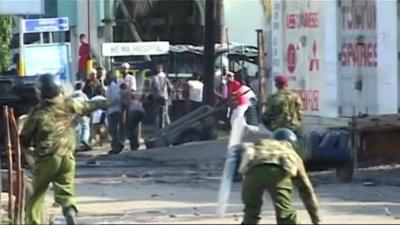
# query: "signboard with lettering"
[358,56]
[45,25]
[291,58]
[277,40]
[58,60]
[336,55]
[303,43]
[135,48]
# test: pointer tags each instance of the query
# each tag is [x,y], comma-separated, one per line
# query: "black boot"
[86,146]
[70,214]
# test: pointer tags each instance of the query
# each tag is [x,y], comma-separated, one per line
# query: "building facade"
[338,54]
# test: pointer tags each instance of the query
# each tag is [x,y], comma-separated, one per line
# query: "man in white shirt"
[82,122]
[220,84]
[195,92]
[126,78]
[221,93]
[114,115]
[98,122]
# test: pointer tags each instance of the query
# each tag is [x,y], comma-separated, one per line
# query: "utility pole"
[209,52]
[262,66]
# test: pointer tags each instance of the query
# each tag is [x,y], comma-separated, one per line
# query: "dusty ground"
[180,185]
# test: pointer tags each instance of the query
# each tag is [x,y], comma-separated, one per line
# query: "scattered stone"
[146,175]
[368,183]
[155,195]
[194,208]
[153,211]
[92,162]
[236,219]
[196,214]
[192,173]
[172,216]
[387,212]
[397,217]
[110,182]
[161,181]
[131,175]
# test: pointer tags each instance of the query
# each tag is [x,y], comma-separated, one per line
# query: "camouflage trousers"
[59,170]
[279,185]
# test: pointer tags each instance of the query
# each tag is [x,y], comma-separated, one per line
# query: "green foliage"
[6,222]
[6,32]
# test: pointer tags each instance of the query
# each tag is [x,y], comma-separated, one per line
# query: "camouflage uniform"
[274,166]
[284,109]
[49,127]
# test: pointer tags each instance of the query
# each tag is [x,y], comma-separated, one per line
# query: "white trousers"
[239,112]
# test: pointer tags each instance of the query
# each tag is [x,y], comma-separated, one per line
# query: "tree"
[6,33]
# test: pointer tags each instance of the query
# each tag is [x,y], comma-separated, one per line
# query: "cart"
[330,149]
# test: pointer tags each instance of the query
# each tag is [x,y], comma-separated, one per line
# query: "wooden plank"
[10,164]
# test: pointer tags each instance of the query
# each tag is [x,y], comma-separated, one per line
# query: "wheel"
[345,172]
[208,134]
[189,136]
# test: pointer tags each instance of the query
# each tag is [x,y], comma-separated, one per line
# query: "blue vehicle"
[331,149]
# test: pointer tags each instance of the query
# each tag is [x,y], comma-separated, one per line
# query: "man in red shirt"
[241,103]
[84,55]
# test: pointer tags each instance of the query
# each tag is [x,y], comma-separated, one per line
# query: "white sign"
[58,60]
[135,48]
[22,7]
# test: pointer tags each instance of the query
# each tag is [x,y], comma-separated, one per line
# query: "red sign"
[314,60]
[358,16]
[302,20]
[291,58]
[359,55]
[310,99]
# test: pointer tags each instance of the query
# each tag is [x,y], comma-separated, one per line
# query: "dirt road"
[180,185]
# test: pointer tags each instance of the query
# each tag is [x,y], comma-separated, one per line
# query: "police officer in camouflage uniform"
[274,165]
[49,129]
[284,108]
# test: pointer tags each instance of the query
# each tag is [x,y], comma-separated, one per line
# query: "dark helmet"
[284,134]
[47,86]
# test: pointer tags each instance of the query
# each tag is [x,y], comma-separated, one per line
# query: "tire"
[190,136]
[345,172]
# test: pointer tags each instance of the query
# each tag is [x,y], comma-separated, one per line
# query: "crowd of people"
[267,164]
[102,101]
[121,119]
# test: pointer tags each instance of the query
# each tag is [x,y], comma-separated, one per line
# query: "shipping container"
[341,55]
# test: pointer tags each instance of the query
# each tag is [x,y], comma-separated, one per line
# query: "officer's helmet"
[284,134]
[47,86]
